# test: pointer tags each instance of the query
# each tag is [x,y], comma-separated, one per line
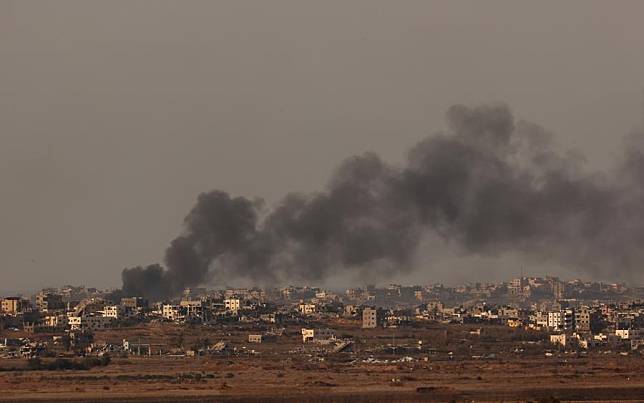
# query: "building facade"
[371,318]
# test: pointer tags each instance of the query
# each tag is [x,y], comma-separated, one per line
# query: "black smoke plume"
[488,184]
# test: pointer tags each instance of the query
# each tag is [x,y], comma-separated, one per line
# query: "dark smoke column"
[218,224]
[489,185]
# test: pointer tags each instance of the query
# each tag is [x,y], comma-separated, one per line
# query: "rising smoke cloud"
[488,185]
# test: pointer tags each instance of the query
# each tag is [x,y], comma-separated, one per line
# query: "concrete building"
[171,312]
[134,302]
[89,306]
[12,305]
[582,319]
[318,335]
[89,322]
[324,335]
[558,288]
[558,339]
[508,312]
[541,319]
[628,334]
[232,304]
[307,309]
[74,322]
[568,318]
[555,320]
[262,338]
[254,338]
[371,318]
[350,310]
[321,295]
[96,322]
[637,341]
[54,321]
[192,308]
[435,306]
[46,301]
[514,322]
[515,287]
[307,335]
[113,311]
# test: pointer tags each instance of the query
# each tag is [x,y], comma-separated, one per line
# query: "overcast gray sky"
[117,114]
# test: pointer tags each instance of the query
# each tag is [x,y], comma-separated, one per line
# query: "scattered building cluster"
[570,314]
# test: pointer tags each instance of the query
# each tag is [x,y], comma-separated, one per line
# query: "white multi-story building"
[232,304]
[568,318]
[74,322]
[112,311]
[171,312]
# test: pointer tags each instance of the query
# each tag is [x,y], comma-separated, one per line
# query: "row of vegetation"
[36,364]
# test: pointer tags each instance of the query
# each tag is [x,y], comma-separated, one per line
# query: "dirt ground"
[288,370]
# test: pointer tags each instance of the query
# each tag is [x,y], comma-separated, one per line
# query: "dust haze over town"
[117,116]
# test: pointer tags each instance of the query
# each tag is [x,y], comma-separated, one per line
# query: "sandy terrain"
[290,370]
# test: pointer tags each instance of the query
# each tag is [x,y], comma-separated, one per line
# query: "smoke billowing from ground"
[489,185]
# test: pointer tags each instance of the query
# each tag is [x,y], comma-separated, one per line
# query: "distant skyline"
[26,292]
[116,115]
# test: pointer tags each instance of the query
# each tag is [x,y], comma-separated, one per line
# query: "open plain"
[431,363]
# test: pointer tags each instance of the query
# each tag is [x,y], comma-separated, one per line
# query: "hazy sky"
[117,114]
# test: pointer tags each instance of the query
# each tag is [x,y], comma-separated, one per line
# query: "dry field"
[288,370]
